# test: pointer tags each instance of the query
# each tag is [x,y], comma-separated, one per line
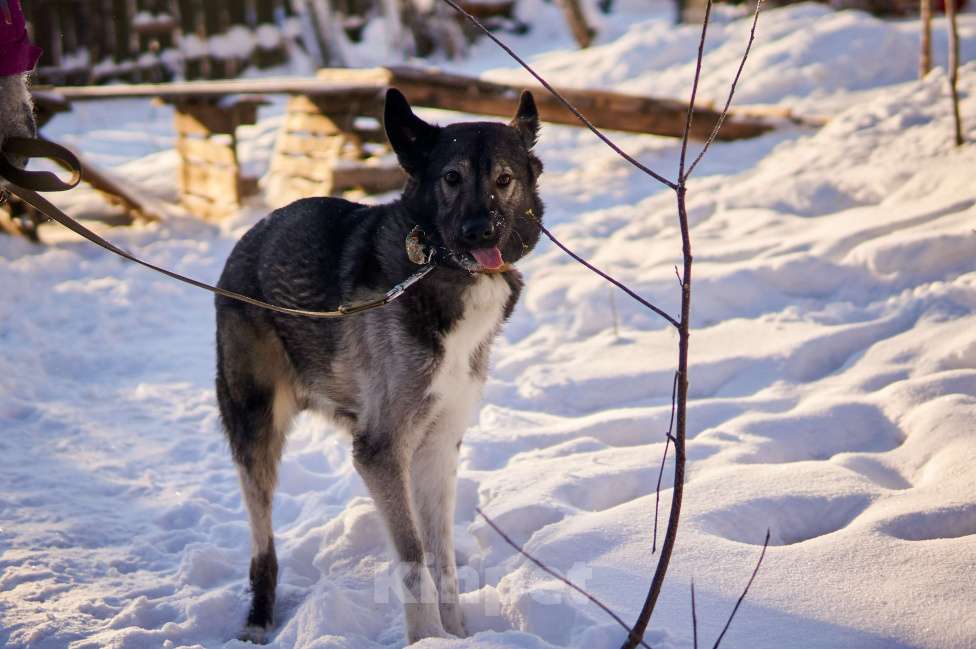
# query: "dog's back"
[403,380]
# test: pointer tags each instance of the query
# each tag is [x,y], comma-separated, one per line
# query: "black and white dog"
[405,379]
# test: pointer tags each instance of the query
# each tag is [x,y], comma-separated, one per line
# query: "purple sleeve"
[17,53]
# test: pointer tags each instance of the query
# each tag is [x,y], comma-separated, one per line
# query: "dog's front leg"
[385,469]
[434,473]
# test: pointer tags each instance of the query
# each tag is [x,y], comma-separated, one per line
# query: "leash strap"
[23,184]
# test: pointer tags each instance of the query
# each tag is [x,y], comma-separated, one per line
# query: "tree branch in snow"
[565,102]
[681,402]
[925,54]
[635,635]
[623,287]
[555,574]
[664,457]
[728,100]
[735,609]
[950,10]
[745,591]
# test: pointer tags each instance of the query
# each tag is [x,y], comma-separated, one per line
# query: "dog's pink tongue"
[488,258]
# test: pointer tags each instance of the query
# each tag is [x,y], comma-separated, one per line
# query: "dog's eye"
[452,177]
[504,180]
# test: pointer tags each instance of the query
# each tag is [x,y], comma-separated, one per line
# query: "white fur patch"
[453,384]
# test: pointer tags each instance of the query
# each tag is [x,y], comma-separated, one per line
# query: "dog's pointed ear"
[411,137]
[526,120]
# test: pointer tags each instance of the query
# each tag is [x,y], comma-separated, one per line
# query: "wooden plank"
[303,167]
[219,183]
[605,109]
[435,89]
[206,118]
[371,178]
[206,208]
[314,147]
[207,150]
[295,188]
[311,123]
[371,106]
[114,189]
[217,89]
[247,186]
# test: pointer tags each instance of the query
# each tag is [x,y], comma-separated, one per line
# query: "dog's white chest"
[455,384]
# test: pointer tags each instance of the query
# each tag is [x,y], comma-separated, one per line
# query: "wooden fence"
[94,41]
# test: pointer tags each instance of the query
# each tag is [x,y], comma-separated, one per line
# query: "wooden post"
[950,7]
[581,29]
[925,55]
[324,149]
[211,185]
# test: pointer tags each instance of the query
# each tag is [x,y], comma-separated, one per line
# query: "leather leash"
[25,185]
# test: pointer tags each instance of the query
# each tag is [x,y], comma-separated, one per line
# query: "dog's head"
[472,185]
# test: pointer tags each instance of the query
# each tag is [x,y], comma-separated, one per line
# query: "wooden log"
[582,31]
[373,178]
[314,124]
[215,182]
[206,208]
[206,151]
[605,109]
[206,118]
[319,170]
[312,147]
[114,190]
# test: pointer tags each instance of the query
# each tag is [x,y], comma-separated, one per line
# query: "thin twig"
[745,591]
[660,474]
[694,92]
[623,287]
[728,101]
[555,574]
[565,102]
[950,12]
[694,618]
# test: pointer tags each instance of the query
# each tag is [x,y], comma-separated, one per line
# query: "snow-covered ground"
[833,385]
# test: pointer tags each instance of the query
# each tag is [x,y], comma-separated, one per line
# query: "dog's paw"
[255,634]
[453,620]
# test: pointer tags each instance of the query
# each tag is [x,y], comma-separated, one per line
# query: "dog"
[403,380]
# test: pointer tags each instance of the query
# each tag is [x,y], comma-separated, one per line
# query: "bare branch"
[565,102]
[660,474]
[694,92]
[745,591]
[555,574]
[623,287]
[728,101]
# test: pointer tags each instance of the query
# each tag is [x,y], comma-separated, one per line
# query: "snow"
[833,384]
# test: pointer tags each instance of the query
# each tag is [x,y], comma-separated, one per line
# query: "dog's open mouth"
[484,260]
[488,259]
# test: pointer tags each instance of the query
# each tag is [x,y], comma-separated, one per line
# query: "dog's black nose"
[477,231]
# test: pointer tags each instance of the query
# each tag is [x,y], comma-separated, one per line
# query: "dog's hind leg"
[385,470]
[256,409]
[434,473]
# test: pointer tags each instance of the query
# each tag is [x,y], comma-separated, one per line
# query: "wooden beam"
[436,89]
[605,109]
